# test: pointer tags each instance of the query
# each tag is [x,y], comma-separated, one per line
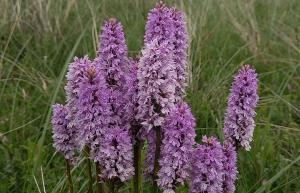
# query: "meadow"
[39,38]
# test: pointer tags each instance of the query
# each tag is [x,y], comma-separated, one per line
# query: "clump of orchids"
[116,106]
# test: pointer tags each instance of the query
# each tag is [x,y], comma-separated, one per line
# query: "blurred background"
[38,39]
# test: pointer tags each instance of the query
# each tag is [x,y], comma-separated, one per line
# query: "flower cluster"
[160,24]
[230,168]
[150,154]
[63,137]
[130,92]
[112,54]
[74,77]
[207,167]
[115,150]
[93,110]
[167,24]
[239,118]
[118,71]
[176,148]
[213,167]
[156,84]
[113,101]
[156,93]
[112,43]
[180,49]
[101,95]
[115,155]
[161,82]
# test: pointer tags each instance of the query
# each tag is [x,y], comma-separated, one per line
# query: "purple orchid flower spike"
[239,118]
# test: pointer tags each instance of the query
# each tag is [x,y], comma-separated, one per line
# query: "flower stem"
[137,181]
[100,185]
[113,186]
[156,158]
[89,169]
[69,177]
[113,189]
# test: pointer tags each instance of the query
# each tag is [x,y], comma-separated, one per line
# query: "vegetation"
[38,38]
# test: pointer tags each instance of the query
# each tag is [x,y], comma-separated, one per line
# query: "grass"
[38,38]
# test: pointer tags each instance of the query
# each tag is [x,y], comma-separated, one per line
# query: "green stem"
[156,158]
[137,181]
[113,189]
[100,185]
[112,186]
[89,169]
[69,177]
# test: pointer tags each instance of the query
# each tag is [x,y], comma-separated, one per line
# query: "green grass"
[38,38]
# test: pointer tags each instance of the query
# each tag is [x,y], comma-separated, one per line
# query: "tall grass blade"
[274,178]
